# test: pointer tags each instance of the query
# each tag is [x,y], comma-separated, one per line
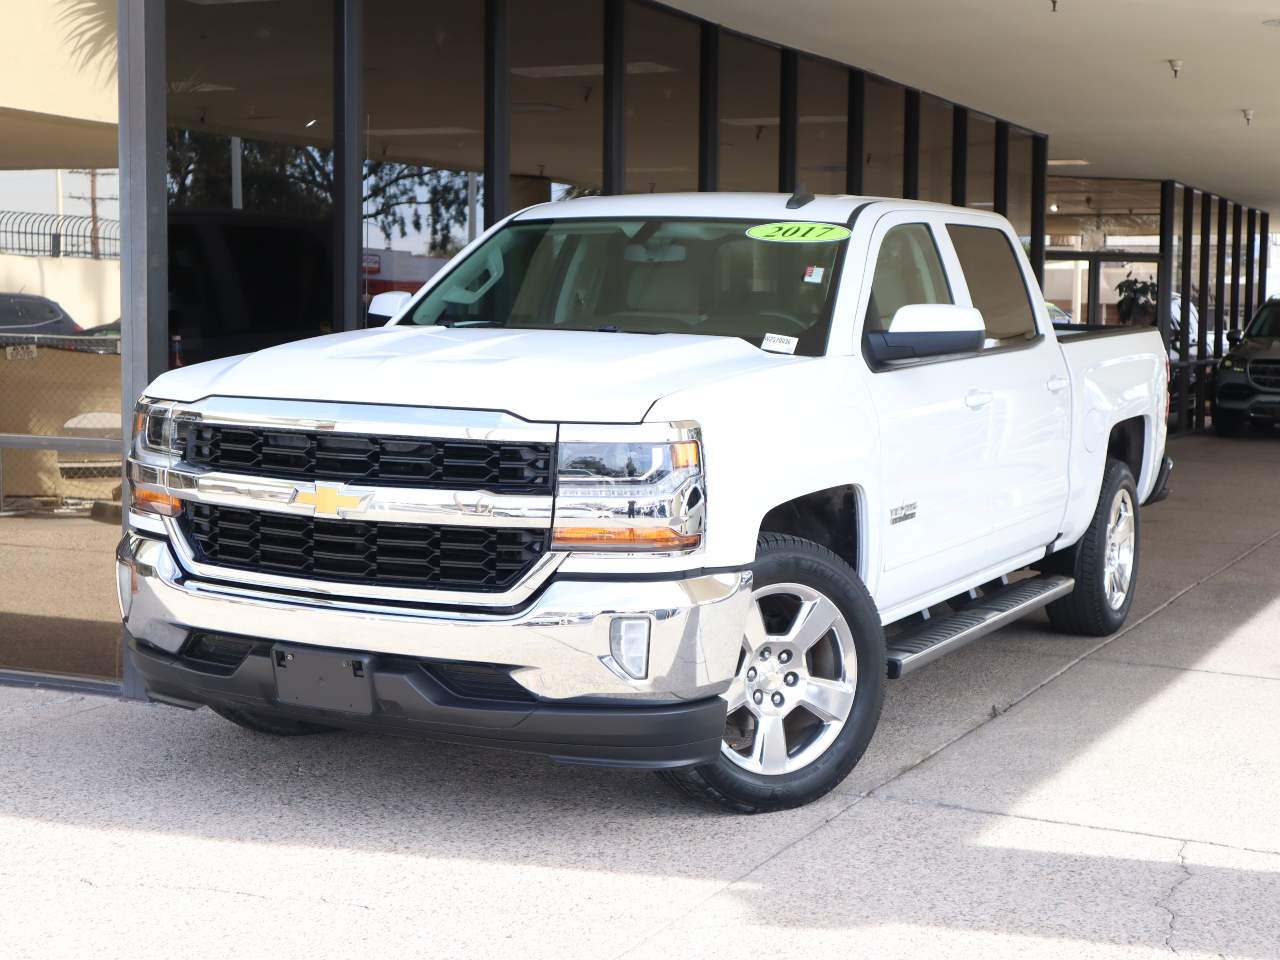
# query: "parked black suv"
[1248,379]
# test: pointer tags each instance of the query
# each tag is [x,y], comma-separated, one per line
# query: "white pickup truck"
[672,482]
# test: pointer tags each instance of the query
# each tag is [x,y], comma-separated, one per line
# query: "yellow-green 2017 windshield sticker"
[799,232]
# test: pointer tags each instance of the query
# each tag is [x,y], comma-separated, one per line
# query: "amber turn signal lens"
[684,455]
[146,500]
[624,538]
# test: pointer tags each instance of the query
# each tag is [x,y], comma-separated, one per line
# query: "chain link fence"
[64,390]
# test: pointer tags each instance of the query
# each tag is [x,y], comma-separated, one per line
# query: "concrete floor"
[1032,796]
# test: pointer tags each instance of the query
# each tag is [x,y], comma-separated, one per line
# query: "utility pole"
[93,198]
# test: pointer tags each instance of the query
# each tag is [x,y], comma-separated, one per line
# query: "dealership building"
[182,180]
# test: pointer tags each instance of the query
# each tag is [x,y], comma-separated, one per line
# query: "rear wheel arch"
[1128,444]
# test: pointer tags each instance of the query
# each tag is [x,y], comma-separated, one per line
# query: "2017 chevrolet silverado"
[671,482]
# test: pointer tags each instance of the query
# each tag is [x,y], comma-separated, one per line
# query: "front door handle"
[977,399]
[1057,384]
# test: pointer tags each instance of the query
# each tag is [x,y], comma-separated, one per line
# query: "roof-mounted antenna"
[799,198]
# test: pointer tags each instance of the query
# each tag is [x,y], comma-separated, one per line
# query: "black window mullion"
[1202,305]
[615,71]
[1220,279]
[788,121]
[1000,194]
[497,111]
[1237,216]
[1184,318]
[1251,241]
[855,145]
[348,165]
[709,108]
[1164,272]
[911,145]
[1264,242]
[1039,201]
[959,155]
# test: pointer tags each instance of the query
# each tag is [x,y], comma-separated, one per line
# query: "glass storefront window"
[424,139]
[937,119]
[557,99]
[250,176]
[822,118]
[59,343]
[980,169]
[1020,174]
[882,138]
[1092,213]
[750,98]
[662,52]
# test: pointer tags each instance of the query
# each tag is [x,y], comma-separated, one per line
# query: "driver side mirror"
[928,330]
[384,306]
[1234,337]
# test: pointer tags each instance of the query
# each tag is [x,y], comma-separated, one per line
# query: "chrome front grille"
[1265,374]
[374,460]
[383,502]
[386,554]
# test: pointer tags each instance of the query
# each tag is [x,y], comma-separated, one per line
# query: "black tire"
[1228,423]
[787,559]
[1086,611]
[265,723]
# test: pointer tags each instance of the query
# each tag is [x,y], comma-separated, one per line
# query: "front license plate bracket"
[323,679]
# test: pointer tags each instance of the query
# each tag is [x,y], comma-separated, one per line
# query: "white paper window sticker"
[814,274]
[779,343]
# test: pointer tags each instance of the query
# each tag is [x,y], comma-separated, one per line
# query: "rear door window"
[996,285]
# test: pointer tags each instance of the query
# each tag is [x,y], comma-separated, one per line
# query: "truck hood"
[548,375]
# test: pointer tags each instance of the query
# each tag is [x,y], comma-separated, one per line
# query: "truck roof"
[747,206]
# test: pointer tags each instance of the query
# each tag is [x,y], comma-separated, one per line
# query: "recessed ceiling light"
[1068,163]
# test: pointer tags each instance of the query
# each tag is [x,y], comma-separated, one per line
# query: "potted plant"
[1137,300]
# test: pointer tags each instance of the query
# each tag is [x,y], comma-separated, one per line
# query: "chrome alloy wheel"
[1118,560]
[795,684]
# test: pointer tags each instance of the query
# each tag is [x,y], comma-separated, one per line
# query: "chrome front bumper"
[558,643]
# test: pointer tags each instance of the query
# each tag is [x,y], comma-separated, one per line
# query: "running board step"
[938,637]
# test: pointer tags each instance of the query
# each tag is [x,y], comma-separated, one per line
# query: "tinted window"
[995,282]
[706,277]
[908,271]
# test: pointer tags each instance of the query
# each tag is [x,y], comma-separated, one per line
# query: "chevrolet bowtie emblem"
[327,500]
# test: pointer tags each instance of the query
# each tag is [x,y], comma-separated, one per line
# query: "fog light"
[629,644]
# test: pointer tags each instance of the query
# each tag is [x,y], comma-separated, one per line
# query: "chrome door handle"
[1057,384]
[977,399]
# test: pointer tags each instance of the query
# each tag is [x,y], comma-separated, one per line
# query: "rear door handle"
[1056,384]
[977,399]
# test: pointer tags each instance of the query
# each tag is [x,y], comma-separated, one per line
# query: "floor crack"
[1165,901]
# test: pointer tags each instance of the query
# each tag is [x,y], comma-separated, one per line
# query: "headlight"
[630,489]
[155,445]
[153,429]
[1228,363]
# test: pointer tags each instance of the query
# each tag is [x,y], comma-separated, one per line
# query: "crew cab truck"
[673,482]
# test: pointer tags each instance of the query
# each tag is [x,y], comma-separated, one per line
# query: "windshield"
[721,278]
[1266,323]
